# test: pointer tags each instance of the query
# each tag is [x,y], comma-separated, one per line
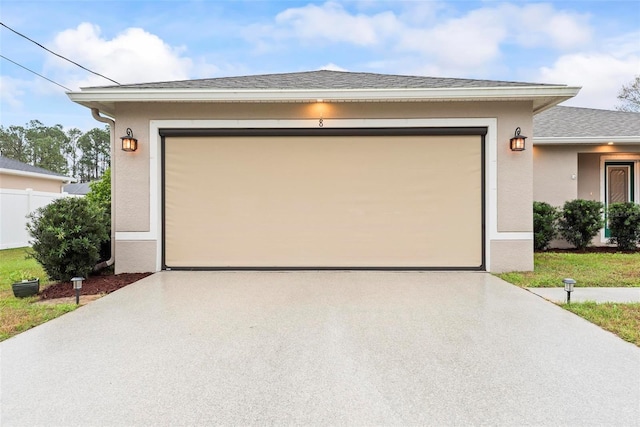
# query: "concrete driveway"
[319,348]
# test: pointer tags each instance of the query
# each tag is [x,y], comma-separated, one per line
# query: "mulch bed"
[93,285]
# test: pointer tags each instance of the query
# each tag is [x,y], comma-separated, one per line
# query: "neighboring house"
[323,169]
[588,154]
[77,189]
[23,189]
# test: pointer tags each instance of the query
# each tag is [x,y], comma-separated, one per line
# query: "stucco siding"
[515,189]
[135,256]
[555,165]
[555,174]
[514,194]
[511,255]
[589,176]
[17,182]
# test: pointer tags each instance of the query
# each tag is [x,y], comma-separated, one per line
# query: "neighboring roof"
[586,125]
[330,86]
[15,167]
[80,189]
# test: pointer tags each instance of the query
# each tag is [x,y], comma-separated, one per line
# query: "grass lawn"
[590,270]
[621,319]
[20,314]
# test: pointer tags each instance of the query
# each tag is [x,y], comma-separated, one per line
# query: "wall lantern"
[517,142]
[77,285]
[129,143]
[568,287]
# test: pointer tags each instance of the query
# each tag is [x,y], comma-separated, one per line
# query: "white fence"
[15,205]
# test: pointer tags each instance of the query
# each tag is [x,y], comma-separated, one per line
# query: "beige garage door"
[323,201]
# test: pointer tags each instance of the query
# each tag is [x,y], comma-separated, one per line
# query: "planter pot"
[26,288]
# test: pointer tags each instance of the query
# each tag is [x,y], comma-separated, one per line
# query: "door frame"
[480,131]
[632,160]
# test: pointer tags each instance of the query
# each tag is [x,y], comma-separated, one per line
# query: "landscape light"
[568,287]
[77,285]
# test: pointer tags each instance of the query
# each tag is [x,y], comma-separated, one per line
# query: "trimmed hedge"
[580,221]
[545,218]
[66,237]
[624,225]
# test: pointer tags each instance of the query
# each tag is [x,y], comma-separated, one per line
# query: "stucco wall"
[511,255]
[17,182]
[514,169]
[555,174]
[135,257]
[553,169]
[589,176]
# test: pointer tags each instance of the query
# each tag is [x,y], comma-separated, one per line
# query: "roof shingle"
[567,122]
[325,79]
[7,163]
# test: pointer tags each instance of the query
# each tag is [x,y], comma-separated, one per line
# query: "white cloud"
[331,22]
[600,74]
[332,67]
[541,24]
[11,91]
[435,33]
[132,56]
[464,42]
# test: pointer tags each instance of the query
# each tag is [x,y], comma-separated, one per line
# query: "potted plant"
[24,284]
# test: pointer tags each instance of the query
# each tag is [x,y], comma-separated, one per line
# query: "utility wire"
[58,55]
[31,71]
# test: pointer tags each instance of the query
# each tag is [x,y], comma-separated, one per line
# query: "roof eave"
[587,140]
[104,99]
[16,172]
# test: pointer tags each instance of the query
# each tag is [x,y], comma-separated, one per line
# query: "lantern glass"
[517,144]
[568,284]
[129,143]
[77,282]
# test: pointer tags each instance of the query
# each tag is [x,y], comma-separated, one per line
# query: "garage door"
[323,201]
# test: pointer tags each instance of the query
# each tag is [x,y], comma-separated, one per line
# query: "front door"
[618,184]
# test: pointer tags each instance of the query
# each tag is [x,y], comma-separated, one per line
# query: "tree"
[83,155]
[629,96]
[95,157]
[47,146]
[35,144]
[14,143]
[72,151]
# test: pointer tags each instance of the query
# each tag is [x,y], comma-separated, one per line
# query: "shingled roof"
[15,165]
[575,122]
[325,79]
[329,86]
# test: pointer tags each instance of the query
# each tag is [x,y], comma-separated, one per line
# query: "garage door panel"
[340,201]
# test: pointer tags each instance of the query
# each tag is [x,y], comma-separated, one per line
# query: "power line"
[58,55]
[31,71]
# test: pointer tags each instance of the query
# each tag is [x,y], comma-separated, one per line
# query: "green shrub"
[624,225]
[545,217]
[66,237]
[100,195]
[580,221]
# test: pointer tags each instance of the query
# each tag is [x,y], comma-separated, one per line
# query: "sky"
[588,43]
